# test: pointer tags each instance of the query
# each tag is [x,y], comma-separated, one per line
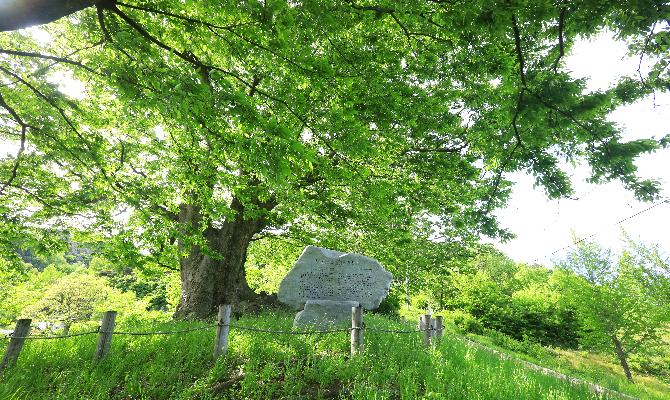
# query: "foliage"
[521,301]
[64,292]
[147,281]
[363,122]
[466,323]
[623,304]
[27,288]
[269,261]
[11,275]
[78,297]
[260,366]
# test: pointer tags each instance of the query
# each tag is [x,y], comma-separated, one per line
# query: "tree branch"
[377,9]
[213,27]
[561,47]
[49,101]
[435,150]
[47,57]
[16,15]
[45,203]
[101,22]
[519,53]
[642,53]
[24,128]
[17,161]
[404,30]
[182,17]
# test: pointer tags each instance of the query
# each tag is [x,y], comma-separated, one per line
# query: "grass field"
[272,366]
[590,367]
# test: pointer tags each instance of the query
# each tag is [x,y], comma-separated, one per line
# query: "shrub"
[80,296]
[467,323]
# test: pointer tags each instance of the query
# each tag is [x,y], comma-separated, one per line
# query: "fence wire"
[248,328]
[401,330]
[52,337]
[200,328]
[233,326]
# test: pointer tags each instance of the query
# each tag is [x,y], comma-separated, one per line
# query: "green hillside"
[268,365]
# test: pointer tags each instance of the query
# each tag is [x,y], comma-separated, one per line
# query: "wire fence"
[200,328]
[233,326]
[432,330]
[40,337]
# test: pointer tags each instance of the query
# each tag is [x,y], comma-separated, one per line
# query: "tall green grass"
[271,366]
[591,372]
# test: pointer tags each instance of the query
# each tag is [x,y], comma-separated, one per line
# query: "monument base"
[325,314]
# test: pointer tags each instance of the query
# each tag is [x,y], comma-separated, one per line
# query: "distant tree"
[11,275]
[22,285]
[623,303]
[78,297]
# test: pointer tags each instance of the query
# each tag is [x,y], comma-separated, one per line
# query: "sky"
[544,228]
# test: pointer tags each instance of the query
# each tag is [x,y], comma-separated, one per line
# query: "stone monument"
[326,284]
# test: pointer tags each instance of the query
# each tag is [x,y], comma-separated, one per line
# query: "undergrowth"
[271,366]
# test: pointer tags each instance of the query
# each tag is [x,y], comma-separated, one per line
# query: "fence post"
[356,329]
[105,336]
[222,330]
[426,327]
[439,327]
[21,330]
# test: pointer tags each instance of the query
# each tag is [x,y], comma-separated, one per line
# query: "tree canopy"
[201,126]
[625,303]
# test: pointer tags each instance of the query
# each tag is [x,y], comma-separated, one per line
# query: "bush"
[391,304]
[467,323]
[80,296]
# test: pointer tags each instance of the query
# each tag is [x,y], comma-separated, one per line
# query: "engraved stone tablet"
[322,274]
[325,313]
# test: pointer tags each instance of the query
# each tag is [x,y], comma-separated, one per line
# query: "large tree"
[212,122]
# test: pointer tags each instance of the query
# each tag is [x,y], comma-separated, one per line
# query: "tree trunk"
[621,355]
[24,13]
[215,274]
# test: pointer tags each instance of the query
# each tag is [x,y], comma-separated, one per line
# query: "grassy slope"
[261,366]
[590,367]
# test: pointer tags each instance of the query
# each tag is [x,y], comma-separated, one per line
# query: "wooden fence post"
[356,329]
[222,330]
[439,327]
[426,327]
[21,330]
[105,336]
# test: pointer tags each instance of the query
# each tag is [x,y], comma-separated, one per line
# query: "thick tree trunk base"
[214,274]
[250,304]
